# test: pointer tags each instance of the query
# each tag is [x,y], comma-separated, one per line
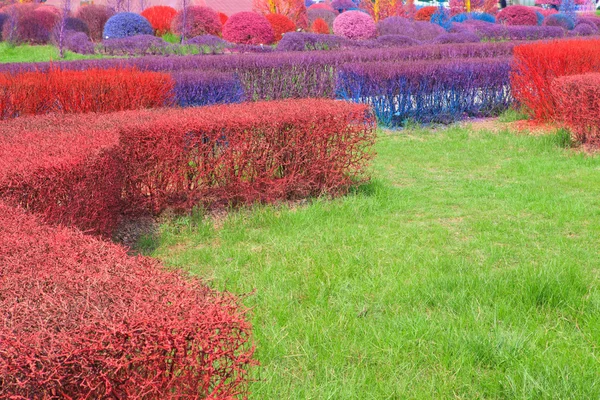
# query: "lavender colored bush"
[464,37]
[78,42]
[251,48]
[138,45]
[302,41]
[126,24]
[355,25]
[201,88]
[426,30]
[325,15]
[500,32]
[589,20]
[439,91]
[397,41]
[584,30]
[342,5]
[209,44]
[396,26]
[3,19]
[561,20]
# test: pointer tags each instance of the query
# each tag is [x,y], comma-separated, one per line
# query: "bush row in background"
[91,170]
[428,91]
[91,322]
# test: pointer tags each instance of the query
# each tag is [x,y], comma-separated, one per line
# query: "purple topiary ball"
[355,25]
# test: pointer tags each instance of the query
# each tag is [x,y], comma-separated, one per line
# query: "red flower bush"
[517,15]
[199,21]
[355,25]
[577,100]
[248,28]
[82,319]
[160,17]
[425,13]
[280,24]
[95,16]
[537,65]
[320,26]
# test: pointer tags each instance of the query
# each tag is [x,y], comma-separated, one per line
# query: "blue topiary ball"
[126,24]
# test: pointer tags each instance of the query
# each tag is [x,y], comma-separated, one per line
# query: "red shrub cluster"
[82,319]
[248,28]
[280,24]
[577,99]
[425,13]
[537,65]
[517,15]
[160,17]
[95,16]
[82,91]
[200,20]
[244,153]
[320,26]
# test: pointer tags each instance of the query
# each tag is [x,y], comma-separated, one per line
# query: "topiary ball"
[95,16]
[248,28]
[200,21]
[160,17]
[561,20]
[320,26]
[126,24]
[280,24]
[517,15]
[584,30]
[355,25]
[395,26]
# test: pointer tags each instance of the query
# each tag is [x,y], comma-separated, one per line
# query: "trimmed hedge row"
[82,319]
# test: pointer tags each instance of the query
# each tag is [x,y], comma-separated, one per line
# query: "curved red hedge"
[280,24]
[160,17]
[82,319]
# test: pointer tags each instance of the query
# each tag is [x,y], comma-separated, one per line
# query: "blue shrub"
[126,24]
[202,88]
[462,17]
[563,20]
[485,17]
[540,17]
[442,18]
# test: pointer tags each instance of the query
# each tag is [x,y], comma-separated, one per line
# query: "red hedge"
[280,24]
[160,17]
[82,319]
[244,153]
[91,90]
[577,104]
[537,65]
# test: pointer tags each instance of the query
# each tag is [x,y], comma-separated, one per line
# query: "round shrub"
[342,5]
[595,21]
[199,21]
[78,42]
[427,31]
[395,26]
[33,28]
[248,28]
[223,18]
[355,25]
[46,18]
[320,26]
[584,30]
[561,20]
[464,37]
[517,15]
[160,17]
[397,41]
[280,24]
[425,13]
[126,24]
[95,16]
[326,15]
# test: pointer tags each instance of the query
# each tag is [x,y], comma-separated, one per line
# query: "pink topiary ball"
[517,15]
[248,28]
[199,21]
[355,25]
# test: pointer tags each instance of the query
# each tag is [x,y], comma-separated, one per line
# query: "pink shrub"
[248,28]
[517,15]
[355,25]
[199,21]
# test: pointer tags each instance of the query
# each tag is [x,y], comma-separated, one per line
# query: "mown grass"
[468,268]
[26,53]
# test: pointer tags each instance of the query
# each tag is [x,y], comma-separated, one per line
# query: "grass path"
[26,53]
[467,269]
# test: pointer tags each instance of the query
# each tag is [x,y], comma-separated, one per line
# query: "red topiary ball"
[320,26]
[199,21]
[223,18]
[425,13]
[517,15]
[355,25]
[95,16]
[160,17]
[248,28]
[280,24]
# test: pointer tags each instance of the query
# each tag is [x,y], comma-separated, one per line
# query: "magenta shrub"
[95,16]
[517,15]
[32,27]
[355,25]
[199,21]
[248,28]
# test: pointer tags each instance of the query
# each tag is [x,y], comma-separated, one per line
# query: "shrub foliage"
[160,17]
[248,28]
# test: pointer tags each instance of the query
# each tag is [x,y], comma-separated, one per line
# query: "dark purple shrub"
[561,20]
[126,24]
[325,15]
[428,91]
[209,44]
[76,25]
[138,45]
[78,42]
[248,28]
[302,41]
[3,19]
[584,30]
[396,41]
[201,88]
[95,16]
[427,30]
[464,37]
[396,26]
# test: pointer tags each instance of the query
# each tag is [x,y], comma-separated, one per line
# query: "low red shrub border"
[244,153]
[537,65]
[82,319]
[93,90]
[577,100]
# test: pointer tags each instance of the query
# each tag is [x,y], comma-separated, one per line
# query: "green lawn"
[26,53]
[467,269]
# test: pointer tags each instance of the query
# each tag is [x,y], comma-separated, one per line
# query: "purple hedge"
[397,41]
[428,91]
[463,37]
[200,88]
[302,41]
[138,45]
